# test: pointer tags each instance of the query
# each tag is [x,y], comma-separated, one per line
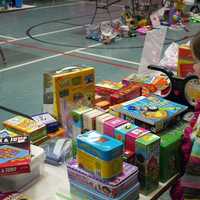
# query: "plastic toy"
[182,90]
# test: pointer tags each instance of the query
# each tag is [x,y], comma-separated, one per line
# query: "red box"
[110,125]
[186,69]
[185,53]
[125,94]
[132,136]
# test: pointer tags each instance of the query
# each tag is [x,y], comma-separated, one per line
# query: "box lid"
[99,145]
[148,139]
[23,124]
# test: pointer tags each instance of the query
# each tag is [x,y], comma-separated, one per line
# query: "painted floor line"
[47,58]
[7,37]
[107,57]
[56,6]
[40,34]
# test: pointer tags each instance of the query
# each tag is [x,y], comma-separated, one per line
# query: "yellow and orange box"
[185,61]
[26,127]
[100,154]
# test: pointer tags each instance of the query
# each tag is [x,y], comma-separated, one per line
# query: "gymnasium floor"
[59,40]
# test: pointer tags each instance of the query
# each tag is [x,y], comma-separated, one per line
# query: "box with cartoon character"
[111,188]
[147,160]
[99,154]
[153,112]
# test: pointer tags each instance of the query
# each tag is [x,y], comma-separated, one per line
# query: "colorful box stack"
[147,160]
[185,61]
[99,173]
[27,127]
[87,186]
[99,154]
[101,120]
[153,112]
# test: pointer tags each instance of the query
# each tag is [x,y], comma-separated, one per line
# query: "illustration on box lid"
[152,109]
[148,139]
[23,124]
[99,145]
[128,170]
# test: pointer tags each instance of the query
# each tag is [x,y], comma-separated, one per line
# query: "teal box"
[99,145]
[147,160]
[121,131]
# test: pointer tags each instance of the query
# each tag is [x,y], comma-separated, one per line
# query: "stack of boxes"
[99,172]
[185,61]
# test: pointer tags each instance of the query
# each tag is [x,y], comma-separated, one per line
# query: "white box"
[22,181]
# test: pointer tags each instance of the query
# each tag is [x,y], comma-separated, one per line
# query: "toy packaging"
[114,110]
[101,120]
[107,87]
[74,84]
[26,127]
[78,192]
[153,112]
[185,61]
[113,188]
[99,145]
[20,181]
[72,89]
[103,104]
[104,169]
[13,196]
[51,123]
[170,155]
[14,160]
[126,93]
[100,154]
[132,136]
[123,130]
[111,125]
[147,160]
[77,115]
[89,119]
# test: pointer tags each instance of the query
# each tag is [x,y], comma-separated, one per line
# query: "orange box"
[60,133]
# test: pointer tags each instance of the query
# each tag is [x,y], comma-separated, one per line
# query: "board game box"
[26,127]
[153,112]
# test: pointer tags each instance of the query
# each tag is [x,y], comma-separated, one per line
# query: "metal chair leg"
[2,56]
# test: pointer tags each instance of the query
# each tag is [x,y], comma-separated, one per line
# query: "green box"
[170,154]
[147,160]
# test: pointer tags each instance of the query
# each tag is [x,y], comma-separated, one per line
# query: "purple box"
[113,188]
[110,125]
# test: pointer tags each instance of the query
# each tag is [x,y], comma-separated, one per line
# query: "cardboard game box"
[26,127]
[147,161]
[153,112]
[14,153]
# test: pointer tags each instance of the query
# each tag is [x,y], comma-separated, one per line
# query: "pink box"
[132,136]
[110,125]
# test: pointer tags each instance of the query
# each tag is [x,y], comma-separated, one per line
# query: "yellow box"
[101,168]
[74,88]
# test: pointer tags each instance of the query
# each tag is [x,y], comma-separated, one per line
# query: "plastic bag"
[170,58]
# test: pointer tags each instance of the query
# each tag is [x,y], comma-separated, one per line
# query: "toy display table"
[54,185]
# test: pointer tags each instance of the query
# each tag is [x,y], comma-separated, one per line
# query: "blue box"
[99,145]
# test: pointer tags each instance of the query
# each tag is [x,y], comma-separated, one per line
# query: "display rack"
[56,180]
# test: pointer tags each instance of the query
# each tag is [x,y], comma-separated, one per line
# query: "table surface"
[53,185]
